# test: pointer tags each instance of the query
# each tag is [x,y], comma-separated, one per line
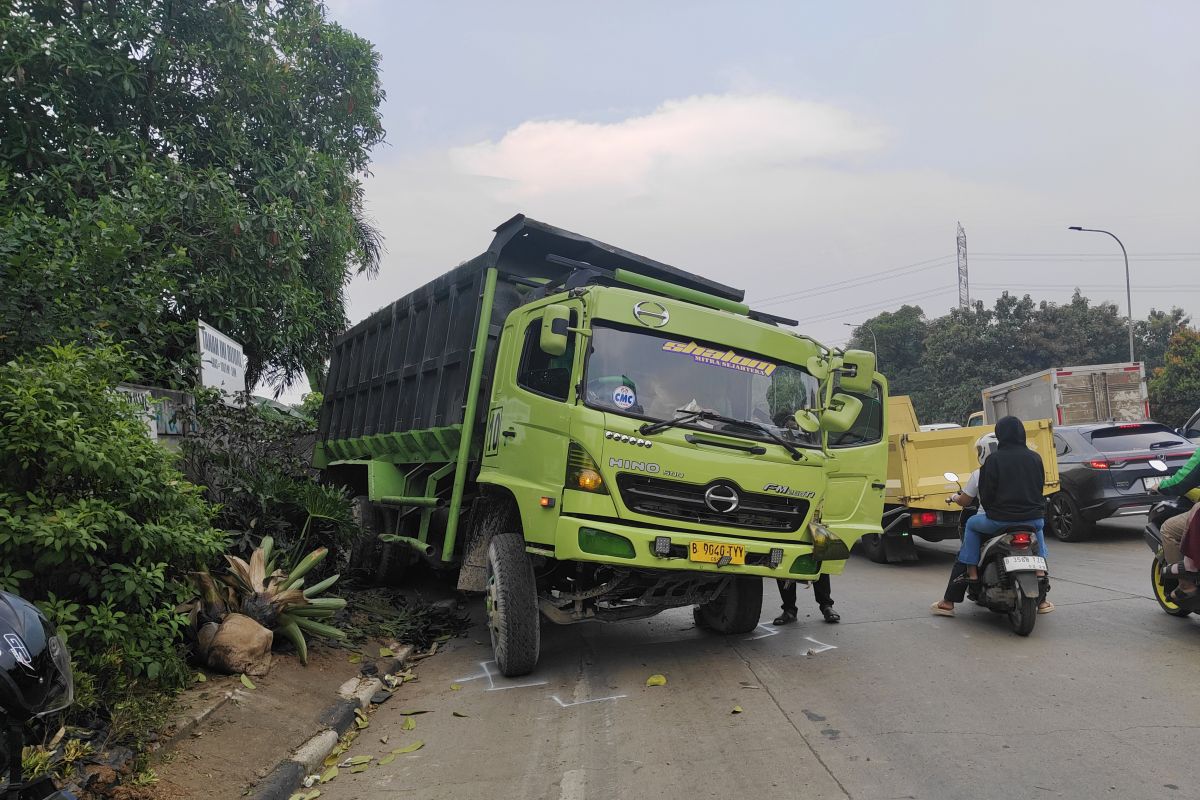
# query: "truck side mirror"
[857,372]
[842,412]
[807,421]
[555,321]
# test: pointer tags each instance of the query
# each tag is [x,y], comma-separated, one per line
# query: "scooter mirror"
[951,476]
[1158,464]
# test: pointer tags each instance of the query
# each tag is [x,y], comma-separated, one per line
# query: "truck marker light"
[662,546]
[589,480]
[546,502]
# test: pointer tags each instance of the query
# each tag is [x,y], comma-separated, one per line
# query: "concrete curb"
[182,726]
[337,718]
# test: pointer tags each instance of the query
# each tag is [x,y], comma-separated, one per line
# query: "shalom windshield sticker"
[624,397]
[720,358]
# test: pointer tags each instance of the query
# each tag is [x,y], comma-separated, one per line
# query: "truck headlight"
[582,471]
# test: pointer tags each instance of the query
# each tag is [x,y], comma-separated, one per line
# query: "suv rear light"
[1022,539]
[1099,464]
[926,519]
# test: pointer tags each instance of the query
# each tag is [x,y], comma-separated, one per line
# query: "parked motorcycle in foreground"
[35,680]
[1165,585]
[1008,575]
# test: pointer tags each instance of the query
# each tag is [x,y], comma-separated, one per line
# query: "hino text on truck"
[587,434]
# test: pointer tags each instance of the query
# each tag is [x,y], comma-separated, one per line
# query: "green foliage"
[254,463]
[162,162]
[96,523]
[1175,386]
[944,363]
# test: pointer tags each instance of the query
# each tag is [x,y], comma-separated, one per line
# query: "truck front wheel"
[735,610]
[512,608]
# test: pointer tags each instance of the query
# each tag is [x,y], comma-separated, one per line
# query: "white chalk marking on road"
[771,630]
[561,704]
[573,785]
[821,647]
[485,671]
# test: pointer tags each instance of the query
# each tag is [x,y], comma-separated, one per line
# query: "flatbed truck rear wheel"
[735,610]
[512,607]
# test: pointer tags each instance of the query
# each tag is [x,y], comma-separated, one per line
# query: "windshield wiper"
[684,418]
[691,416]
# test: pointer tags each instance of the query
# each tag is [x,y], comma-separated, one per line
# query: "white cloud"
[695,134]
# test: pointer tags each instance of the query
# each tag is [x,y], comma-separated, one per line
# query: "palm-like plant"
[274,599]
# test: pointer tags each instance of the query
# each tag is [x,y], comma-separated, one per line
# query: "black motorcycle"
[1008,580]
[1165,585]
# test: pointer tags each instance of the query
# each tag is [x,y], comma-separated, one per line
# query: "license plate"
[1018,563]
[711,552]
[1153,481]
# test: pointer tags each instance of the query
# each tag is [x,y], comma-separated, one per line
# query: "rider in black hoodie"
[1010,490]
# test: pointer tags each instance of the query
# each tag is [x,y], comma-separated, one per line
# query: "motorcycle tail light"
[1022,539]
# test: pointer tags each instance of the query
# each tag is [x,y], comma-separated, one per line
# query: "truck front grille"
[684,502]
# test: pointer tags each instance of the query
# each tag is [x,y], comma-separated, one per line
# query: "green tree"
[163,161]
[900,336]
[1175,386]
[1153,334]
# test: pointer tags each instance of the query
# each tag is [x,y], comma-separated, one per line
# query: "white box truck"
[1071,395]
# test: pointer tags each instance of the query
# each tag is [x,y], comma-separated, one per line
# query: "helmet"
[986,445]
[35,668]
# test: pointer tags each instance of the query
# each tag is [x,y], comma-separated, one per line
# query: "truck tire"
[872,547]
[382,564]
[735,610]
[1065,520]
[512,606]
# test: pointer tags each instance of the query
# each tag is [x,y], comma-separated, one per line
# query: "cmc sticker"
[624,397]
[729,359]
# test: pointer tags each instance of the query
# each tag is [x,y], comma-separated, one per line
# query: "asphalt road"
[1100,702]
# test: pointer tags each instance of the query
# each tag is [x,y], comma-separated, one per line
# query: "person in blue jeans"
[1009,487]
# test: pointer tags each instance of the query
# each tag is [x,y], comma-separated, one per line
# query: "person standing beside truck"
[1010,482]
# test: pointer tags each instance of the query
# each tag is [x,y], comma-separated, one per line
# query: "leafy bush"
[253,462]
[1175,386]
[97,525]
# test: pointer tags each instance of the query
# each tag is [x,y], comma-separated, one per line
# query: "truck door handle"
[509,432]
[878,485]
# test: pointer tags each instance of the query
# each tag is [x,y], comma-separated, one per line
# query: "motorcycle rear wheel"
[1024,615]
[1162,590]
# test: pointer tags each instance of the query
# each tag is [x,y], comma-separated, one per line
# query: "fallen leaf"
[356,658]
[200,677]
[408,712]
[362,724]
[385,652]
[329,774]
[454,687]
[458,714]
[249,684]
[389,758]
[358,760]
[736,710]
[408,748]
[359,768]
[358,712]
[656,680]
[409,724]
[313,795]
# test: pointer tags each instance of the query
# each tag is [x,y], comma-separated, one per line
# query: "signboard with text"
[222,363]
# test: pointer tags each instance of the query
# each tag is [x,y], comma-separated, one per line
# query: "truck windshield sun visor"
[673,381]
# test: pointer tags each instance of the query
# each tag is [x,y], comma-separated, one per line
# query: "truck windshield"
[655,377]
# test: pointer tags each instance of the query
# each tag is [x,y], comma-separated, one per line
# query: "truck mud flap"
[898,548]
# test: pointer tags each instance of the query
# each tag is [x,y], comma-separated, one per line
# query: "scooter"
[1008,580]
[1164,585]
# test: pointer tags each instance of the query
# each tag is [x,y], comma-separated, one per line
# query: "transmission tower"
[964,289]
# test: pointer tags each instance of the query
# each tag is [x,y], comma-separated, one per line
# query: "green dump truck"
[588,434]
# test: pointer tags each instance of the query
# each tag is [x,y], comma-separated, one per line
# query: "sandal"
[1179,596]
[786,618]
[1046,607]
[938,611]
[831,616]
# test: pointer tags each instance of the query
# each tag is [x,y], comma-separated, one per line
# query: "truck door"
[854,499]
[525,444]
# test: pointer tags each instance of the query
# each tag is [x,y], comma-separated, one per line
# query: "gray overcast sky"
[779,145]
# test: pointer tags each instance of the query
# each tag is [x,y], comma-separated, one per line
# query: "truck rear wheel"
[512,609]
[735,610]
[872,547]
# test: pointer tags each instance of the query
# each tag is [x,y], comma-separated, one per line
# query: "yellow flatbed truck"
[917,490]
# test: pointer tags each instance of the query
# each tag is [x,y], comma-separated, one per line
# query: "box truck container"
[1072,395]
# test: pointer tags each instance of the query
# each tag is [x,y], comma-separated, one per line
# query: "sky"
[799,149]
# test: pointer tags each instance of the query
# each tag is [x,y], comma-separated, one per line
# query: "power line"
[841,313]
[1089,255]
[1190,287]
[893,272]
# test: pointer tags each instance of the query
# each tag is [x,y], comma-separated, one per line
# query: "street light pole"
[874,343]
[1128,290]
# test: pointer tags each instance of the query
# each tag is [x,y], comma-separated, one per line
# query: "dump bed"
[917,460]
[407,366]
[1072,395]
